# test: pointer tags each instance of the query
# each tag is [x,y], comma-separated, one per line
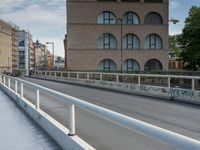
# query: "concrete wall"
[177,94]
[57,131]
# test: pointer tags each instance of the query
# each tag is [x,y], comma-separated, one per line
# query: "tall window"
[107,65]
[106,17]
[153,65]
[153,41]
[131,41]
[131,65]
[130,18]
[21,43]
[107,41]
[153,18]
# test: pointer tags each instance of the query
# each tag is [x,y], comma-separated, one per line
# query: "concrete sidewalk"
[18,131]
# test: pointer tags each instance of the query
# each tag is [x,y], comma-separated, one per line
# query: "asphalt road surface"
[104,135]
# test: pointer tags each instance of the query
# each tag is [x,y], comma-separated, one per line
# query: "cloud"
[44,18]
[174,4]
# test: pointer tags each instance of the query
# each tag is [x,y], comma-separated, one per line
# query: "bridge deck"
[18,131]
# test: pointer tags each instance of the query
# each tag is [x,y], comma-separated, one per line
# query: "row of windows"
[130,41]
[129,65]
[108,17]
[146,1]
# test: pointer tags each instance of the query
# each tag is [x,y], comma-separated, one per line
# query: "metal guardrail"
[118,75]
[157,133]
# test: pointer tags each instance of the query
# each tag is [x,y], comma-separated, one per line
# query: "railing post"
[101,77]
[77,75]
[4,80]
[169,82]
[139,80]
[16,86]
[8,83]
[88,76]
[68,75]
[193,84]
[55,73]
[37,99]
[71,121]
[45,73]
[117,78]
[22,90]
[61,74]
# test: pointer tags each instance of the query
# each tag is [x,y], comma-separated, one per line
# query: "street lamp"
[52,49]
[121,39]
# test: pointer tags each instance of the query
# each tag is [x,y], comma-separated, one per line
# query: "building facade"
[40,51]
[8,47]
[49,61]
[26,58]
[116,35]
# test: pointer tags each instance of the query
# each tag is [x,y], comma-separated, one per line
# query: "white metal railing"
[157,133]
[118,75]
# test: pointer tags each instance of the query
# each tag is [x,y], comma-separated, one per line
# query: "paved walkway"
[18,131]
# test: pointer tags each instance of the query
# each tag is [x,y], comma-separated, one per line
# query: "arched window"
[153,41]
[106,17]
[153,65]
[130,18]
[107,41]
[153,18]
[107,65]
[131,41]
[131,65]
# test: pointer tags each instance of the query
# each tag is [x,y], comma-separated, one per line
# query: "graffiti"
[145,89]
[182,93]
[149,89]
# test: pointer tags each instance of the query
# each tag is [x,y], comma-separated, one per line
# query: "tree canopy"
[174,46]
[190,40]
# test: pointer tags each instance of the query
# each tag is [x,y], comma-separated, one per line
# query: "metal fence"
[157,133]
[180,81]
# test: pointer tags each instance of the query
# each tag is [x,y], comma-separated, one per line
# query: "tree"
[174,46]
[190,40]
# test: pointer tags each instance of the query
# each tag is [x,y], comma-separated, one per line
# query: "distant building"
[40,51]
[59,63]
[94,39]
[176,64]
[49,61]
[8,47]
[26,56]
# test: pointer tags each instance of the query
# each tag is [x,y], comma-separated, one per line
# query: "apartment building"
[8,45]
[26,58]
[40,51]
[117,35]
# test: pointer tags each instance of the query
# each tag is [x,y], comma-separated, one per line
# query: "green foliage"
[190,40]
[174,47]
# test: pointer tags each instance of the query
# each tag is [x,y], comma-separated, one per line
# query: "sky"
[46,19]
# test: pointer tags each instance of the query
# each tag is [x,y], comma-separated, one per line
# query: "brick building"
[94,35]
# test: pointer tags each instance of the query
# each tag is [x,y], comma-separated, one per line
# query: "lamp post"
[52,49]
[121,39]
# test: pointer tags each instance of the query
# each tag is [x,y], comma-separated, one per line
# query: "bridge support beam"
[193,84]
[22,90]
[9,83]
[37,99]
[71,121]
[16,86]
